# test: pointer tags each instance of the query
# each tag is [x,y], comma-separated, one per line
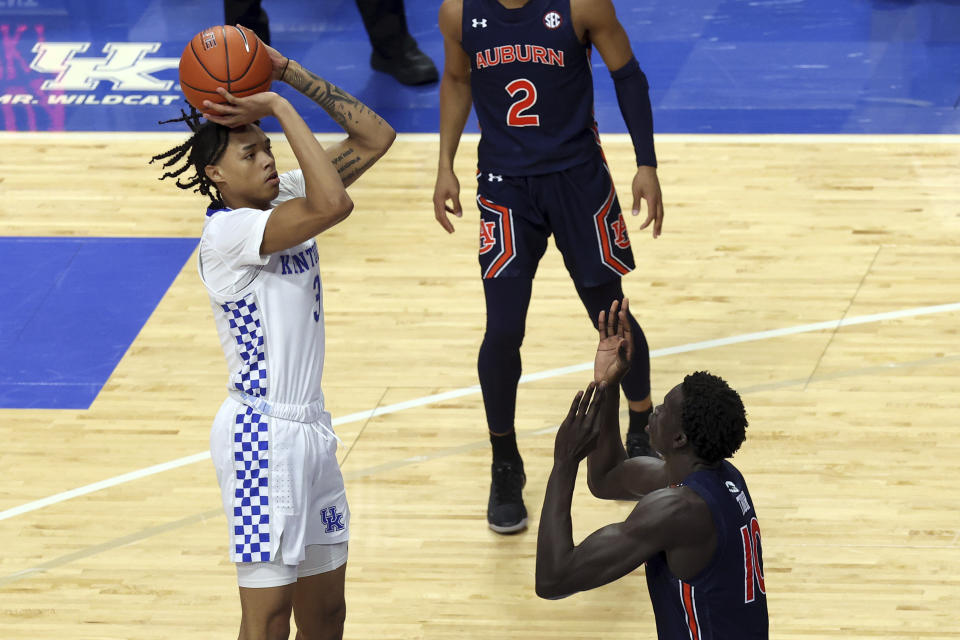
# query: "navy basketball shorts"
[578,206]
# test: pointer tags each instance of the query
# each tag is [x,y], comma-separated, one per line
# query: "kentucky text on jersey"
[300,261]
[519,53]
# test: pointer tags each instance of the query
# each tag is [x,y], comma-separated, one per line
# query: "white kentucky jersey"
[268,309]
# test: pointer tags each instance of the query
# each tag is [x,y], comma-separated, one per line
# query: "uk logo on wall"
[68,65]
[44,83]
[128,65]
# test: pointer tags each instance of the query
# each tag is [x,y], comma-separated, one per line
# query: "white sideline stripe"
[466,391]
[103,484]
[683,138]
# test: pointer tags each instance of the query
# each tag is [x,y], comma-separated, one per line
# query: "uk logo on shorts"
[332,518]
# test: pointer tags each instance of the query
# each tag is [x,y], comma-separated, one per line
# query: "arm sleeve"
[633,95]
[235,237]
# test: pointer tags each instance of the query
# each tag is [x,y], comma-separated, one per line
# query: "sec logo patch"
[552,20]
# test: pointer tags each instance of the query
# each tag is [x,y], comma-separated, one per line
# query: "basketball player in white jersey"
[272,442]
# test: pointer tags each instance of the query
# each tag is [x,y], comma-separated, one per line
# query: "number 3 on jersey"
[319,299]
[516,116]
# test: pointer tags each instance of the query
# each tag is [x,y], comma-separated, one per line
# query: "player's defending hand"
[447,189]
[237,112]
[578,432]
[616,345]
[646,186]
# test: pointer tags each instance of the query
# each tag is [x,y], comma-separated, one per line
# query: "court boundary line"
[469,447]
[474,389]
[682,138]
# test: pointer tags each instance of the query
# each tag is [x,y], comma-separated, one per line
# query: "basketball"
[224,56]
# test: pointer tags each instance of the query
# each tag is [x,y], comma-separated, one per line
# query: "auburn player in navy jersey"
[525,66]
[694,526]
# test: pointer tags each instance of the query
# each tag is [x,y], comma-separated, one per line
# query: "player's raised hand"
[615,350]
[646,186]
[237,112]
[446,189]
[578,432]
[279,61]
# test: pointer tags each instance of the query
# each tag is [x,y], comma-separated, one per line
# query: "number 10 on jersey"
[752,562]
[516,116]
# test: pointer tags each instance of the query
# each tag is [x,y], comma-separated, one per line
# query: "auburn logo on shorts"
[620,238]
[612,236]
[496,237]
[487,238]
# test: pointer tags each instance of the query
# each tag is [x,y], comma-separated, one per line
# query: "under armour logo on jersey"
[482,23]
[732,488]
[332,519]
[493,178]
[487,239]
[619,227]
[552,20]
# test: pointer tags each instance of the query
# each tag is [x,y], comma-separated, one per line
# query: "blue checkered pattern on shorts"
[244,317]
[251,500]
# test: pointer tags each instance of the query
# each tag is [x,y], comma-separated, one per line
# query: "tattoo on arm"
[349,174]
[350,164]
[341,106]
[338,161]
[348,112]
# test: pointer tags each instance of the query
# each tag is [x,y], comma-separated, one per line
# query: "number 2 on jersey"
[516,116]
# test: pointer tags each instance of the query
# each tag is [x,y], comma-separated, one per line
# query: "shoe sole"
[513,528]
[384,68]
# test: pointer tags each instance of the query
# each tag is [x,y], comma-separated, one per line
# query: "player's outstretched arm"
[326,201]
[610,364]
[598,19]
[610,474]
[664,520]
[455,101]
[368,135]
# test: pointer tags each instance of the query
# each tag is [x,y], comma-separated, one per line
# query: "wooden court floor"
[852,453]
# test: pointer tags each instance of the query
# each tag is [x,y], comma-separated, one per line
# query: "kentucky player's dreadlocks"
[204,147]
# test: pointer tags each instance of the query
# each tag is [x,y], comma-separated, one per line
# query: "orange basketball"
[224,56]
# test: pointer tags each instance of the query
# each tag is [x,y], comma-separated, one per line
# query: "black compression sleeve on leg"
[636,384]
[639,420]
[633,95]
[499,363]
[505,447]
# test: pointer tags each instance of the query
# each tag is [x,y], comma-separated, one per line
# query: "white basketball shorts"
[280,483]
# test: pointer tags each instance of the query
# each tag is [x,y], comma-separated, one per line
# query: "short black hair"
[714,418]
[204,147]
